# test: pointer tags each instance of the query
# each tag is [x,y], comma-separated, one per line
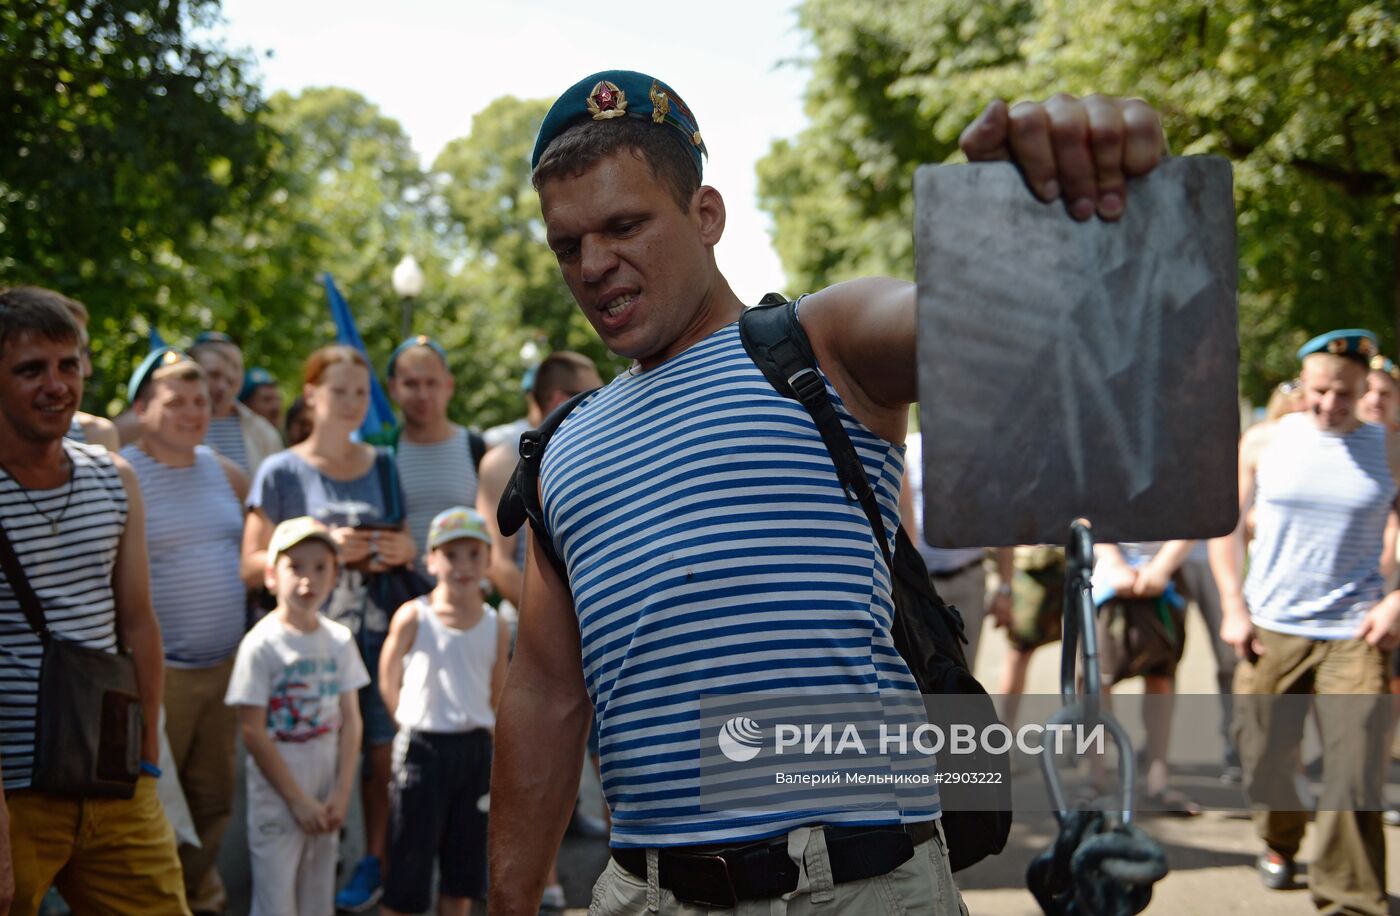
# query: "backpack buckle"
[807,385]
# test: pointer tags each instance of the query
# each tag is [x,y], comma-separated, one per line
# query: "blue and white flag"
[379,422]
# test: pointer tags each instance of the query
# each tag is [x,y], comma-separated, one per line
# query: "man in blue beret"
[1312,616]
[711,547]
[261,395]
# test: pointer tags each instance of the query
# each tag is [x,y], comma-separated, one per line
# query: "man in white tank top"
[1313,617]
[194,528]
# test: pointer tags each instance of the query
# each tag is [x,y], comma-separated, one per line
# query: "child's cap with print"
[457,523]
[294,531]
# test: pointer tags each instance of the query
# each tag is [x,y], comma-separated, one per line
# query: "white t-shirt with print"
[298,676]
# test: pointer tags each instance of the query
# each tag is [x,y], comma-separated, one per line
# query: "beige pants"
[923,885]
[293,871]
[1347,874]
[201,732]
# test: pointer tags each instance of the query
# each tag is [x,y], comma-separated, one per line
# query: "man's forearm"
[1225,562]
[142,638]
[534,781]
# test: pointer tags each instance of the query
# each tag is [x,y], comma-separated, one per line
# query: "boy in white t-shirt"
[441,675]
[294,683]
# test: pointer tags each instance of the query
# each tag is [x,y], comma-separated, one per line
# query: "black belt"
[721,876]
[950,573]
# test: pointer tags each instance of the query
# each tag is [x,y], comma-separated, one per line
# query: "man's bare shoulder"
[99,431]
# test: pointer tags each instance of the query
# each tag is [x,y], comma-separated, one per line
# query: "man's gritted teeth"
[615,306]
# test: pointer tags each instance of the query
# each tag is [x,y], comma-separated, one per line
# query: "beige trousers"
[201,732]
[923,885]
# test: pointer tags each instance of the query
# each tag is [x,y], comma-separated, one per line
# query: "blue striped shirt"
[1321,502]
[711,550]
[225,436]
[194,533]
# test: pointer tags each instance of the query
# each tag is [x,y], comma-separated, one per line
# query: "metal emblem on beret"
[1336,346]
[695,139]
[607,101]
[660,103]
[171,357]
[1365,347]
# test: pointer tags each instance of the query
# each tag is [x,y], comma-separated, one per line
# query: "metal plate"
[1073,370]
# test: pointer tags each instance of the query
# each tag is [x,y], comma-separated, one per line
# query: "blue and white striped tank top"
[194,533]
[1321,501]
[70,569]
[225,436]
[712,551]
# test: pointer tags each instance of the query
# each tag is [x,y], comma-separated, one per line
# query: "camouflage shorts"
[1037,606]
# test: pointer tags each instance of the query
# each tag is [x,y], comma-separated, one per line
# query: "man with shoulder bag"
[81,665]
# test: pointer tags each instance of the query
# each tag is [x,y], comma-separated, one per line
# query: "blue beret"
[612,94]
[254,379]
[421,340]
[211,337]
[160,356]
[1383,364]
[1355,342]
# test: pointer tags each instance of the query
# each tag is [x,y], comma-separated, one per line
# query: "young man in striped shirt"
[710,545]
[1312,617]
[75,517]
[434,455]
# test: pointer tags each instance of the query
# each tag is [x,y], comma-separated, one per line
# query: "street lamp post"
[408,283]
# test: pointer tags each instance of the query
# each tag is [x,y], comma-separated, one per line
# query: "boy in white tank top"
[441,673]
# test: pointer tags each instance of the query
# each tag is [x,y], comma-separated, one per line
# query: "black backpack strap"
[780,348]
[476,444]
[20,586]
[387,467]
[521,500]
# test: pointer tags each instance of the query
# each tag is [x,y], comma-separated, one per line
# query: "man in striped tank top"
[194,535]
[710,548]
[75,517]
[434,455]
[1312,617]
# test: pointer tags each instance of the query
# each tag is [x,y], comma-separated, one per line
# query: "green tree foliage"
[1302,95]
[148,178]
[508,289]
[124,137]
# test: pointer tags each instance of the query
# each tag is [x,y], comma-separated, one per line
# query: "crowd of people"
[276,579]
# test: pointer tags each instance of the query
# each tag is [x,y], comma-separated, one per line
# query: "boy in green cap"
[441,675]
[294,683]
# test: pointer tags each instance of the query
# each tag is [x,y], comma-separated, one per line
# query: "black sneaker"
[1275,871]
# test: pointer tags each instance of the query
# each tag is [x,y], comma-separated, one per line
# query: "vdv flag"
[379,422]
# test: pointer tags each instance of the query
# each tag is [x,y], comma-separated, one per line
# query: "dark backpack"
[927,632]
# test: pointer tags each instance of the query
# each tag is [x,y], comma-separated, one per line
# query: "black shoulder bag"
[87,729]
[927,632]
